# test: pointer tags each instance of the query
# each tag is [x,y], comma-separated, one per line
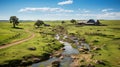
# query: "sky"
[60,9]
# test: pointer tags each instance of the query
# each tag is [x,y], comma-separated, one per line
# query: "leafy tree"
[73,21]
[63,22]
[98,22]
[38,23]
[14,20]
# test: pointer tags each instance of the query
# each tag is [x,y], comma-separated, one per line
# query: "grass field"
[9,34]
[40,41]
[107,37]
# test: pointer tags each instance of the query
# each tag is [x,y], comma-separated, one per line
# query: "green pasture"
[107,37]
[43,43]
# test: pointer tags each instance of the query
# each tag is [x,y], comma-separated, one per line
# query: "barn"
[89,22]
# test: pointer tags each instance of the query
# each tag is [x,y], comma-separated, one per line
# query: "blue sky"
[60,9]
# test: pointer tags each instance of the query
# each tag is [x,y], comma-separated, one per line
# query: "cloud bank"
[45,9]
[107,15]
[60,13]
[106,10]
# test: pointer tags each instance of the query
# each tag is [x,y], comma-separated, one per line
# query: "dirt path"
[32,35]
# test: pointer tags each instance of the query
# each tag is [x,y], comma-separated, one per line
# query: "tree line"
[15,21]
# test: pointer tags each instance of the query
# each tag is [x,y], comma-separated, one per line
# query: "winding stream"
[67,60]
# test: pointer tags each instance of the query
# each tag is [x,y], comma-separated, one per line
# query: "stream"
[67,60]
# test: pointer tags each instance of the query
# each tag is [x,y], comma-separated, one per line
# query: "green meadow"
[107,37]
[42,43]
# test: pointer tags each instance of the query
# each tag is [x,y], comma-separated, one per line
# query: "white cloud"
[45,9]
[65,2]
[106,10]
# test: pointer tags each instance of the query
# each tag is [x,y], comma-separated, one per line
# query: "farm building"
[89,22]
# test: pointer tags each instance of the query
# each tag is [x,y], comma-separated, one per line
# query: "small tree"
[38,23]
[98,22]
[14,20]
[63,22]
[73,21]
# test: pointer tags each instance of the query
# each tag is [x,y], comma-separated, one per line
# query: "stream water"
[66,61]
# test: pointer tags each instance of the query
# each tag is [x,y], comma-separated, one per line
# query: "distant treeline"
[20,20]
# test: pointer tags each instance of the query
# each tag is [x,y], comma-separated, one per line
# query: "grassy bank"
[43,43]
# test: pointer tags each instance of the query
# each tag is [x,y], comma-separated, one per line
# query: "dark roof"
[91,21]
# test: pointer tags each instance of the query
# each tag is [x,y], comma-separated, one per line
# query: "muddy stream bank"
[65,56]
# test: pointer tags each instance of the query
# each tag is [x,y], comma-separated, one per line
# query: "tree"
[73,21]
[39,23]
[98,22]
[14,20]
[63,22]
